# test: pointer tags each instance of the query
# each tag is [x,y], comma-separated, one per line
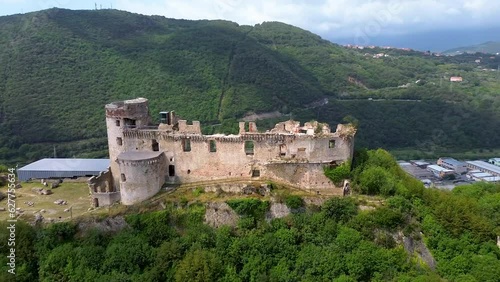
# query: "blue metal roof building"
[62,168]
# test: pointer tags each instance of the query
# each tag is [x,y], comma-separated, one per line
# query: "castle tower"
[141,175]
[121,116]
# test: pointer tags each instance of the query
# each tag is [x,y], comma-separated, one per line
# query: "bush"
[339,173]
[340,209]
[377,180]
[198,191]
[294,202]
[249,207]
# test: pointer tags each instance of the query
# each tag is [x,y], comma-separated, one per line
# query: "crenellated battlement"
[145,156]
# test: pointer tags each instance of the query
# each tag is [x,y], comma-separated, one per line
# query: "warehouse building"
[477,175]
[62,168]
[450,163]
[440,171]
[495,161]
[484,167]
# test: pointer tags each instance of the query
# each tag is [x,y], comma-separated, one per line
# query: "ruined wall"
[199,164]
[194,128]
[144,158]
[102,190]
[309,177]
[200,158]
[140,179]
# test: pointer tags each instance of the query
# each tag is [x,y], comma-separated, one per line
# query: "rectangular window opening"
[171,170]
[331,144]
[186,145]
[129,123]
[249,147]
[117,122]
[283,150]
[212,146]
[119,141]
[255,173]
[123,177]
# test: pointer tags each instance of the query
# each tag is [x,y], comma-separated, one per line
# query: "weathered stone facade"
[102,190]
[144,157]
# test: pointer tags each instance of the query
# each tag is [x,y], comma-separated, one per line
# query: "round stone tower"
[141,175]
[122,116]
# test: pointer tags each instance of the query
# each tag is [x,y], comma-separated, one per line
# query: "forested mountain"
[60,67]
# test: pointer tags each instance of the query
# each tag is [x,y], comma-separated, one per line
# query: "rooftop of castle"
[119,104]
[138,155]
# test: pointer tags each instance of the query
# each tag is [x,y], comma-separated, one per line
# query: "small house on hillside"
[456,79]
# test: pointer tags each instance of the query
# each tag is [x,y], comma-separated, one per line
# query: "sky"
[356,21]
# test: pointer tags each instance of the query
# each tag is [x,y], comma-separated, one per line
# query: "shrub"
[294,202]
[377,180]
[340,209]
[339,173]
[249,207]
[198,191]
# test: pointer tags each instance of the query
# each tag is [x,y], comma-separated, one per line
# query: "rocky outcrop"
[110,224]
[277,210]
[218,214]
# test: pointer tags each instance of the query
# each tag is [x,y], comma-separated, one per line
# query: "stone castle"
[145,158]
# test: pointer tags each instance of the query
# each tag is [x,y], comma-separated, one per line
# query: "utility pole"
[55,155]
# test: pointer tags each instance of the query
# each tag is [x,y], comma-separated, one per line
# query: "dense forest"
[355,238]
[60,67]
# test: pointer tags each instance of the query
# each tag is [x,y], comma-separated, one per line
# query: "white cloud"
[332,17]
[329,18]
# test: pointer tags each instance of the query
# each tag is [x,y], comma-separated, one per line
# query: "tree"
[339,209]
[198,265]
[375,179]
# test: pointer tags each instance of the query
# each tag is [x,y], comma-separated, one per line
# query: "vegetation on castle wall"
[339,173]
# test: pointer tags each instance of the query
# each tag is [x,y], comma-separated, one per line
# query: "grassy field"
[76,194]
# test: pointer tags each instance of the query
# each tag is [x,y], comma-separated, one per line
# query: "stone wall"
[288,153]
[294,159]
[140,179]
[102,190]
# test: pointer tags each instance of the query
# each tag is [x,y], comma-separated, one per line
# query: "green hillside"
[487,47]
[60,67]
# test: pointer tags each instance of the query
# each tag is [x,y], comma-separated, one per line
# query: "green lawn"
[76,194]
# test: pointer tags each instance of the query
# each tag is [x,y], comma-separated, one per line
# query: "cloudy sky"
[361,19]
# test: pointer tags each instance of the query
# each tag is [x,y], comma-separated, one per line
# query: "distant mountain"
[435,40]
[487,47]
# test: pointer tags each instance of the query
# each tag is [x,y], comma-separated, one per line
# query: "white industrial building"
[494,161]
[484,167]
[478,175]
[440,171]
[62,168]
[450,163]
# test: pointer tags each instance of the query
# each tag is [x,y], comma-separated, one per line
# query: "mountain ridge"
[490,47]
[60,67]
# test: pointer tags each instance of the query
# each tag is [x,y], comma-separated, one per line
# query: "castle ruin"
[144,158]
